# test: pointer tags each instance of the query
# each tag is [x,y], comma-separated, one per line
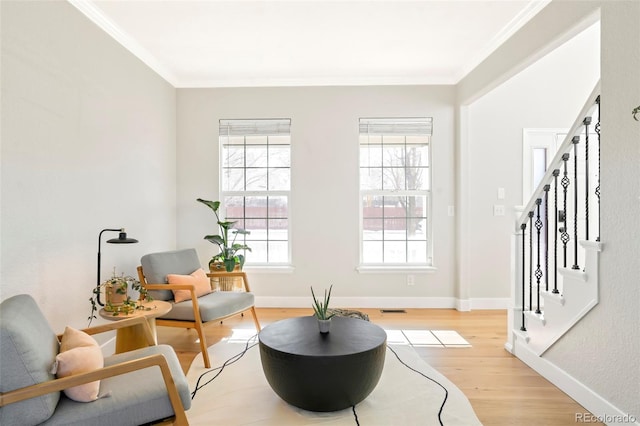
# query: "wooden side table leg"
[130,338]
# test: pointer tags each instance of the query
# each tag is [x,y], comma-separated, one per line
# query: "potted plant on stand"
[229,257]
[117,299]
[321,311]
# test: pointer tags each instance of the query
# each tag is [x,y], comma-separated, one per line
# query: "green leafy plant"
[119,285]
[229,249]
[635,112]
[321,307]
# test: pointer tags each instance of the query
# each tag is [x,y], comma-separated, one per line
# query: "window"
[395,183]
[256,183]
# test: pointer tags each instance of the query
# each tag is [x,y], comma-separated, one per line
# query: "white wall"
[547,94]
[88,142]
[324,138]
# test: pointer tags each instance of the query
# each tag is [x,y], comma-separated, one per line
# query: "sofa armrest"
[57,385]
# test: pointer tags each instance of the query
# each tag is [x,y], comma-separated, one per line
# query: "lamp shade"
[122,239]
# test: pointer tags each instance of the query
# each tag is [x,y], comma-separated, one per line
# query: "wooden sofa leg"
[203,346]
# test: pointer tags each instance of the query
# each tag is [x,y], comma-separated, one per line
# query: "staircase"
[556,245]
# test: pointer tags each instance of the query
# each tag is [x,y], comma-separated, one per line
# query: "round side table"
[130,338]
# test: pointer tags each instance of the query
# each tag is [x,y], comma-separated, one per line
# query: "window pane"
[278,229]
[370,178]
[371,156]
[233,179]
[395,252]
[417,251]
[372,229]
[394,178]
[393,156]
[256,179]
[372,252]
[233,156]
[257,156]
[279,179]
[258,251]
[278,207]
[278,251]
[279,156]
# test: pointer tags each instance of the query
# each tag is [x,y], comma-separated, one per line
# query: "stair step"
[537,317]
[557,298]
[575,274]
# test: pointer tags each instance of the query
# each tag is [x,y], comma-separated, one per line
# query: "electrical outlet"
[411,279]
[498,210]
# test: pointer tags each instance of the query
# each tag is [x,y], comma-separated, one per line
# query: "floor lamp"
[122,239]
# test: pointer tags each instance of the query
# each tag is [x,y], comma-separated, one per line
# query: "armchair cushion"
[157,266]
[126,394]
[79,353]
[198,278]
[28,347]
[212,306]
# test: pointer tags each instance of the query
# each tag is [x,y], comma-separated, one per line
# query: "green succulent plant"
[321,307]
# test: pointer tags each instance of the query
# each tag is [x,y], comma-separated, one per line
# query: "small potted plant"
[117,300]
[320,309]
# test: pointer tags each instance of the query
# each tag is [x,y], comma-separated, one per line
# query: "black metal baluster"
[586,122]
[597,129]
[564,237]
[538,272]
[523,227]
[546,237]
[530,260]
[575,141]
[556,173]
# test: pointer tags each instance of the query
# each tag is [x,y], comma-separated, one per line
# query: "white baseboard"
[385,302]
[601,409]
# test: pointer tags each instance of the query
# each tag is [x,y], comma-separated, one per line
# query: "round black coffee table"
[322,372]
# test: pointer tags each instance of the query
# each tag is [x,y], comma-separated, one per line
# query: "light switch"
[500,193]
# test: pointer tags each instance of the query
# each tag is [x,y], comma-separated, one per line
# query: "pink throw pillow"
[198,278]
[79,353]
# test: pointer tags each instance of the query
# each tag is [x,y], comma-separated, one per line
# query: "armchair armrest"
[57,385]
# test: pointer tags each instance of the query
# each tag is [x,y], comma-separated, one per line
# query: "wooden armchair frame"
[56,385]
[197,324]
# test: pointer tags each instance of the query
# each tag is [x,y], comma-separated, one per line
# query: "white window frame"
[257,127]
[398,127]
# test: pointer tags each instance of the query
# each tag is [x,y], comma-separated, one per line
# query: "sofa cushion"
[156,267]
[198,278]
[135,398]
[79,353]
[28,347]
[212,306]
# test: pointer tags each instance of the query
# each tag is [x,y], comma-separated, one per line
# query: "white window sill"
[394,269]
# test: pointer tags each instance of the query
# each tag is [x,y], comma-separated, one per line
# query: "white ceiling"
[291,43]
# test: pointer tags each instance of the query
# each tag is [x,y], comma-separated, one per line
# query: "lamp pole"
[122,239]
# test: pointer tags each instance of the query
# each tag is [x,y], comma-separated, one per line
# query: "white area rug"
[241,395]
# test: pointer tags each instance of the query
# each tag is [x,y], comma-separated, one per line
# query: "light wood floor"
[502,389]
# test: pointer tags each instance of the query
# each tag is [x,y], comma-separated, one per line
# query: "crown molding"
[97,16]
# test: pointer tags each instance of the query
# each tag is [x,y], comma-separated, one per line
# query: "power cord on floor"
[446,392]
[218,370]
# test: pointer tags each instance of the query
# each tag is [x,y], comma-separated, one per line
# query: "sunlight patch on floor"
[427,338]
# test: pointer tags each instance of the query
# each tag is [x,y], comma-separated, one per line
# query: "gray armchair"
[139,387]
[198,311]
